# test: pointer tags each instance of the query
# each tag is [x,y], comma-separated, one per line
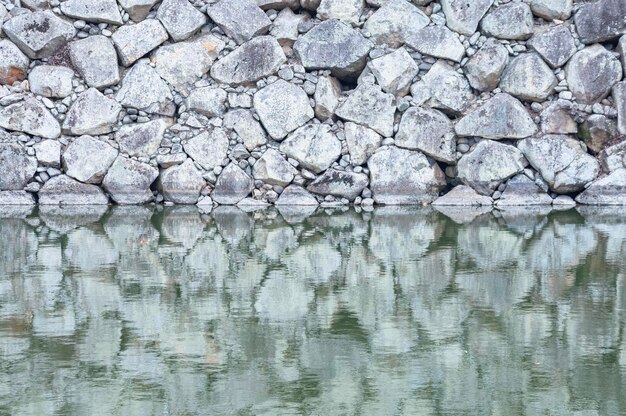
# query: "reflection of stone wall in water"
[308,101]
[432,312]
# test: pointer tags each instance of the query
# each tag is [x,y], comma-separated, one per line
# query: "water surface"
[142,311]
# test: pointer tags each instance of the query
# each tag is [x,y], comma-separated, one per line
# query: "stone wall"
[253,102]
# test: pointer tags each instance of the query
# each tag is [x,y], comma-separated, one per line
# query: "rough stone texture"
[369,106]
[346,10]
[91,113]
[598,131]
[463,195]
[601,20]
[483,70]
[333,45]
[17,168]
[447,89]
[362,142]
[619,95]
[143,89]
[232,186]
[128,181]
[272,168]
[13,63]
[327,92]
[208,149]
[394,72]
[51,81]
[557,119]
[395,22]
[501,117]
[609,190]
[512,21]
[208,101]
[30,116]
[88,159]
[48,153]
[429,131]
[239,19]
[489,164]
[314,146]
[142,139]
[555,45]
[246,127]
[182,183]
[339,183]
[591,73]
[552,9]
[38,34]
[134,41]
[561,161]
[522,191]
[63,190]
[401,177]
[16,198]
[463,16]
[253,60]
[138,10]
[282,108]
[612,157]
[285,26]
[437,41]
[97,11]
[180,18]
[528,78]
[294,195]
[96,61]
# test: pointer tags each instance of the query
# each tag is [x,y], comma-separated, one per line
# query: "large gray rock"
[463,195]
[447,89]
[463,16]
[87,159]
[404,177]
[91,113]
[339,183]
[98,11]
[598,131]
[555,45]
[181,184]
[528,78]
[429,131]
[347,10]
[255,59]
[246,127]
[484,68]
[282,108]
[17,168]
[512,21]
[489,164]
[619,96]
[38,34]
[557,118]
[314,146]
[369,106]
[30,116]
[591,73]
[138,10]
[609,190]
[552,9]
[601,20]
[239,19]
[336,46]
[395,22]
[51,81]
[522,191]
[184,63]
[208,101]
[395,71]
[327,92]
[142,139]
[295,195]
[16,198]
[272,168]
[96,61]
[180,18]
[48,153]
[437,41]
[562,162]
[13,63]
[208,149]
[362,142]
[63,190]
[285,26]
[612,157]
[143,89]
[134,41]
[128,181]
[232,185]
[501,117]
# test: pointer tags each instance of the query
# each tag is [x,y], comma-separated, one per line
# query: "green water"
[137,311]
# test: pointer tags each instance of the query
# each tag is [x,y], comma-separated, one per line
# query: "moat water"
[179,311]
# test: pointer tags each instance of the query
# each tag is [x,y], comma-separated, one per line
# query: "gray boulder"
[87,159]
[282,108]
[552,9]
[97,11]
[336,46]
[463,195]
[17,168]
[501,117]
[347,10]
[285,26]
[463,16]
[395,71]
[182,183]
[591,73]
[619,96]
[142,139]
[522,191]
[239,19]
[138,10]
[447,89]
[597,132]
[143,89]
[339,183]
[395,22]
[16,198]
[128,181]
[246,127]
[512,21]
[361,141]
[327,92]
[484,68]
[528,78]
[404,177]
[562,162]
[38,34]
[92,113]
[429,131]
[601,20]
[609,190]
[556,45]
[30,116]
[96,61]
[208,149]
[489,164]
[48,153]
[272,168]
[557,118]
[295,195]
[255,59]
[369,106]
[132,42]
[314,146]
[180,18]
[51,81]
[612,157]
[208,101]
[437,41]
[232,185]
[13,63]
[63,190]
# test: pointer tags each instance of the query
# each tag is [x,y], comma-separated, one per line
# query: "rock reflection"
[142,311]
